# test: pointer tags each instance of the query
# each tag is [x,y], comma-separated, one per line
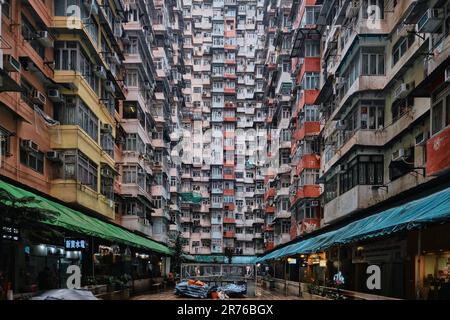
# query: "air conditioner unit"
[109,86]
[340,125]
[106,128]
[10,63]
[29,144]
[422,138]
[447,74]
[54,156]
[314,203]
[100,72]
[44,38]
[430,21]
[401,91]
[400,154]
[39,98]
[54,95]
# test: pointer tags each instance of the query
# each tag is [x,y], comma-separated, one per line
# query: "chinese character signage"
[438,152]
[10,233]
[75,244]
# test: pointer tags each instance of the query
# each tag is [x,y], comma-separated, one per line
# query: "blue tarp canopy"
[434,208]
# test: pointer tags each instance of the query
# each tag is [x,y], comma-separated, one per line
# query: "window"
[79,167]
[6,8]
[400,48]
[4,142]
[75,112]
[363,170]
[29,34]
[312,48]
[311,81]
[311,15]
[33,159]
[372,61]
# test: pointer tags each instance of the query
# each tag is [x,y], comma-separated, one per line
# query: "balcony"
[361,138]
[306,192]
[229,234]
[217,205]
[307,129]
[308,161]
[229,220]
[270,193]
[71,191]
[357,198]
[137,223]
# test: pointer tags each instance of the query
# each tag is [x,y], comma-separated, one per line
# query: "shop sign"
[75,244]
[292,260]
[10,233]
[438,152]
[376,253]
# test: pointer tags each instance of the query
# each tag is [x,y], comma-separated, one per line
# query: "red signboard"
[438,152]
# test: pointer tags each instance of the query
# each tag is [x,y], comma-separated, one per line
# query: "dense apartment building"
[224,59]
[149,117]
[362,79]
[370,156]
[379,126]
[90,106]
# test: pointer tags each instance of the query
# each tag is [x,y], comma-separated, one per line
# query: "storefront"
[37,258]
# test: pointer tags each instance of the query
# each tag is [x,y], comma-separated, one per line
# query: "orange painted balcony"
[228,234]
[308,191]
[270,193]
[229,206]
[270,245]
[268,228]
[229,119]
[230,61]
[229,220]
[229,176]
[310,64]
[229,90]
[230,75]
[269,119]
[307,129]
[270,209]
[308,161]
[228,134]
[228,192]
[229,46]
[228,148]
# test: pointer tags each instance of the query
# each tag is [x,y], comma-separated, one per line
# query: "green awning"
[78,222]
[191,197]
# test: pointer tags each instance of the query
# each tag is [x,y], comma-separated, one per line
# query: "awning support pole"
[419,251]
[300,294]
[285,277]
